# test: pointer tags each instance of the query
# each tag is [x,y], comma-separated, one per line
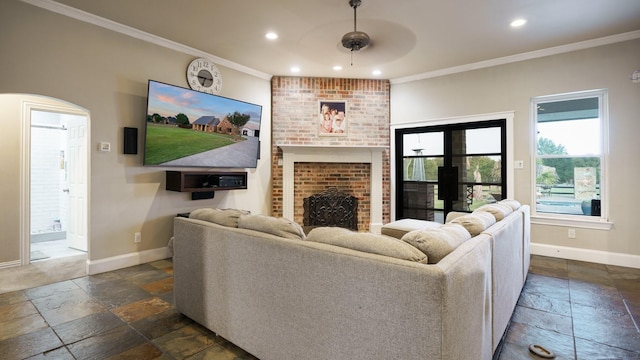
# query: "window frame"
[581,221]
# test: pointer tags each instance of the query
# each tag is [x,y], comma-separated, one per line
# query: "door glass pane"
[427,143]
[480,182]
[477,141]
[481,169]
[419,200]
[422,168]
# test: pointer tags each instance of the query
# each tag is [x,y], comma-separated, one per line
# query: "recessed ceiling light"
[295,69]
[337,68]
[271,35]
[376,72]
[518,22]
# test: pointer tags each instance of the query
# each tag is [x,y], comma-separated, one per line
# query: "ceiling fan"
[355,40]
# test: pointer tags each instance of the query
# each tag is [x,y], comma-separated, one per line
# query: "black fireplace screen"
[331,208]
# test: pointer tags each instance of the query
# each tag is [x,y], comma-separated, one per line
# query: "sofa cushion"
[367,242]
[438,242]
[399,228]
[224,217]
[276,226]
[475,223]
[513,204]
[499,211]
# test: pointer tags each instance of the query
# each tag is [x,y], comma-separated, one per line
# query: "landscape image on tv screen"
[188,128]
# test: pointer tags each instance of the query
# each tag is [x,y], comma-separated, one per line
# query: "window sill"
[584,222]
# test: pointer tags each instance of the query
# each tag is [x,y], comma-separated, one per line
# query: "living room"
[55,59]
[106,73]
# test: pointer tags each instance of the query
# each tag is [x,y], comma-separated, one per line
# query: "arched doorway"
[54,178]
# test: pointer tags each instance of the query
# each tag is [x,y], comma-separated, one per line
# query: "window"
[569,158]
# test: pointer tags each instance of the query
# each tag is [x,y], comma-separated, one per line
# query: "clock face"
[203,75]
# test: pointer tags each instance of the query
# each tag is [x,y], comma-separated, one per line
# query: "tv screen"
[188,128]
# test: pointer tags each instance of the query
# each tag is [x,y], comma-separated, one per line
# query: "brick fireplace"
[304,162]
[359,167]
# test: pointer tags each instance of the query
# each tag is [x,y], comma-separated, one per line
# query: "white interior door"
[77,169]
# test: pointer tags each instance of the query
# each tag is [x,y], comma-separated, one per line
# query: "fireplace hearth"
[331,208]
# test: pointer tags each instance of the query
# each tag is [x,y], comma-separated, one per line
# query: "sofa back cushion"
[276,226]
[475,223]
[224,217]
[499,211]
[438,242]
[367,242]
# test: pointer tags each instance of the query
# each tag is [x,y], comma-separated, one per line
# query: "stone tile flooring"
[578,310]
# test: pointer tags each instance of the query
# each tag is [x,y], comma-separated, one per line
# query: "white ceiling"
[409,38]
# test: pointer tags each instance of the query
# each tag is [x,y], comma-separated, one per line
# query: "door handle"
[448,183]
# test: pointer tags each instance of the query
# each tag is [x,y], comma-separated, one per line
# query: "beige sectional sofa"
[264,285]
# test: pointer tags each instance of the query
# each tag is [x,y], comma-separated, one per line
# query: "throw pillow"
[224,217]
[514,204]
[367,242]
[399,228]
[475,223]
[437,243]
[271,225]
[499,211]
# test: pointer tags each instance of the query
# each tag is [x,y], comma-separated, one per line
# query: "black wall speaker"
[130,140]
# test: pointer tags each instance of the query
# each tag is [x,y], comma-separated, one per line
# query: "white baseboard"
[9,264]
[594,256]
[126,260]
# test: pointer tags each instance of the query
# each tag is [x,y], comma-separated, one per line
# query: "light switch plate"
[105,146]
[518,164]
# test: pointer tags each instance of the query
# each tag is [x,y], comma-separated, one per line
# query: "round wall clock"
[203,75]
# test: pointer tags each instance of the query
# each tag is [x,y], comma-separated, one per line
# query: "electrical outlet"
[137,237]
[572,233]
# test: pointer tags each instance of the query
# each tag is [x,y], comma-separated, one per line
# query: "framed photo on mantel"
[332,118]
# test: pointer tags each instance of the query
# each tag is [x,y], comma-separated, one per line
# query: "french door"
[453,167]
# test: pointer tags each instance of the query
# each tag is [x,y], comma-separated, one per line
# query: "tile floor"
[53,249]
[578,310]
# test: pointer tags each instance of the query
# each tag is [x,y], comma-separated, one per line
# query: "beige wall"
[106,73]
[510,87]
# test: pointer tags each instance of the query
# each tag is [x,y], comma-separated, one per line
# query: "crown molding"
[84,16]
[632,35]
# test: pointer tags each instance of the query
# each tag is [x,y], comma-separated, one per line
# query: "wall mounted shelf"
[203,184]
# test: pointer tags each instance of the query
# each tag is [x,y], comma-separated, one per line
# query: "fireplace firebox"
[331,208]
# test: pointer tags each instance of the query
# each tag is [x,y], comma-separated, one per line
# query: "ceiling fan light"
[355,40]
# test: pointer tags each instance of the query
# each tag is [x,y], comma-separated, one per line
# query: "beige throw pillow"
[437,243]
[271,225]
[499,211]
[513,204]
[224,217]
[475,223]
[399,228]
[367,242]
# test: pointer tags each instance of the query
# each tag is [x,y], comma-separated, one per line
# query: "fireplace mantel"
[292,154]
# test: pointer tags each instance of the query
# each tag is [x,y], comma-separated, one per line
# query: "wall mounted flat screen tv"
[188,128]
